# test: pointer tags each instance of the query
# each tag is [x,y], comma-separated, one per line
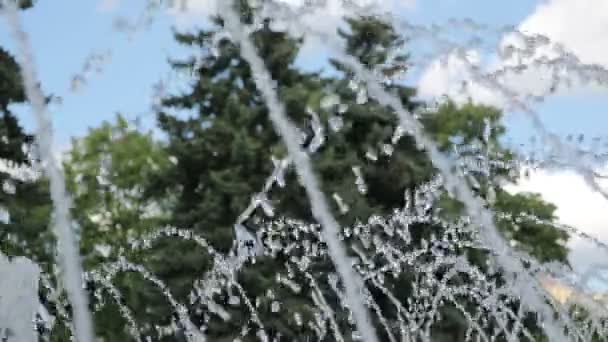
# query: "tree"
[451,127]
[108,171]
[25,197]
[455,128]
[25,202]
[223,154]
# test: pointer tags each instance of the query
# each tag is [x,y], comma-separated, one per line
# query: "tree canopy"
[215,163]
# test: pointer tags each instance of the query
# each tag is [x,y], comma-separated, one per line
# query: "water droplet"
[359,181]
[336,123]
[361,96]
[234,300]
[388,149]
[371,155]
[8,186]
[5,216]
[342,206]
[329,101]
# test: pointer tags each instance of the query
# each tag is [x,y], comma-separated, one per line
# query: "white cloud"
[447,77]
[577,206]
[579,25]
[107,5]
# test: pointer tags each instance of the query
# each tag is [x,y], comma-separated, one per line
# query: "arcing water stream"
[383,246]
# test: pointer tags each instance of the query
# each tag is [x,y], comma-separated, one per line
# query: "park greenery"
[201,171]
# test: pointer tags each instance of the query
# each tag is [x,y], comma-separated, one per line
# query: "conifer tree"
[25,203]
[370,41]
[223,152]
[223,158]
[24,196]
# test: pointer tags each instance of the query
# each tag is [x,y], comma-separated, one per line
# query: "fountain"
[364,261]
[18,299]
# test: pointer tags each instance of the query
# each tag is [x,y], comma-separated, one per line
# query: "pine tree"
[370,41]
[24,196]
[223,158]
[25,202]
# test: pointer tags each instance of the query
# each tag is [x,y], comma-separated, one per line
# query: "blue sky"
[63,33]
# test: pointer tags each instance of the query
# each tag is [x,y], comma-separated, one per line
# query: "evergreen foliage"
[125,184]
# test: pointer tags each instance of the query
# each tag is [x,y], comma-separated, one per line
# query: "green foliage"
[108,172]
[125,184]
[371,40]
[542,240]
[28,203]
[11,86]
[223,158]
[468,122]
